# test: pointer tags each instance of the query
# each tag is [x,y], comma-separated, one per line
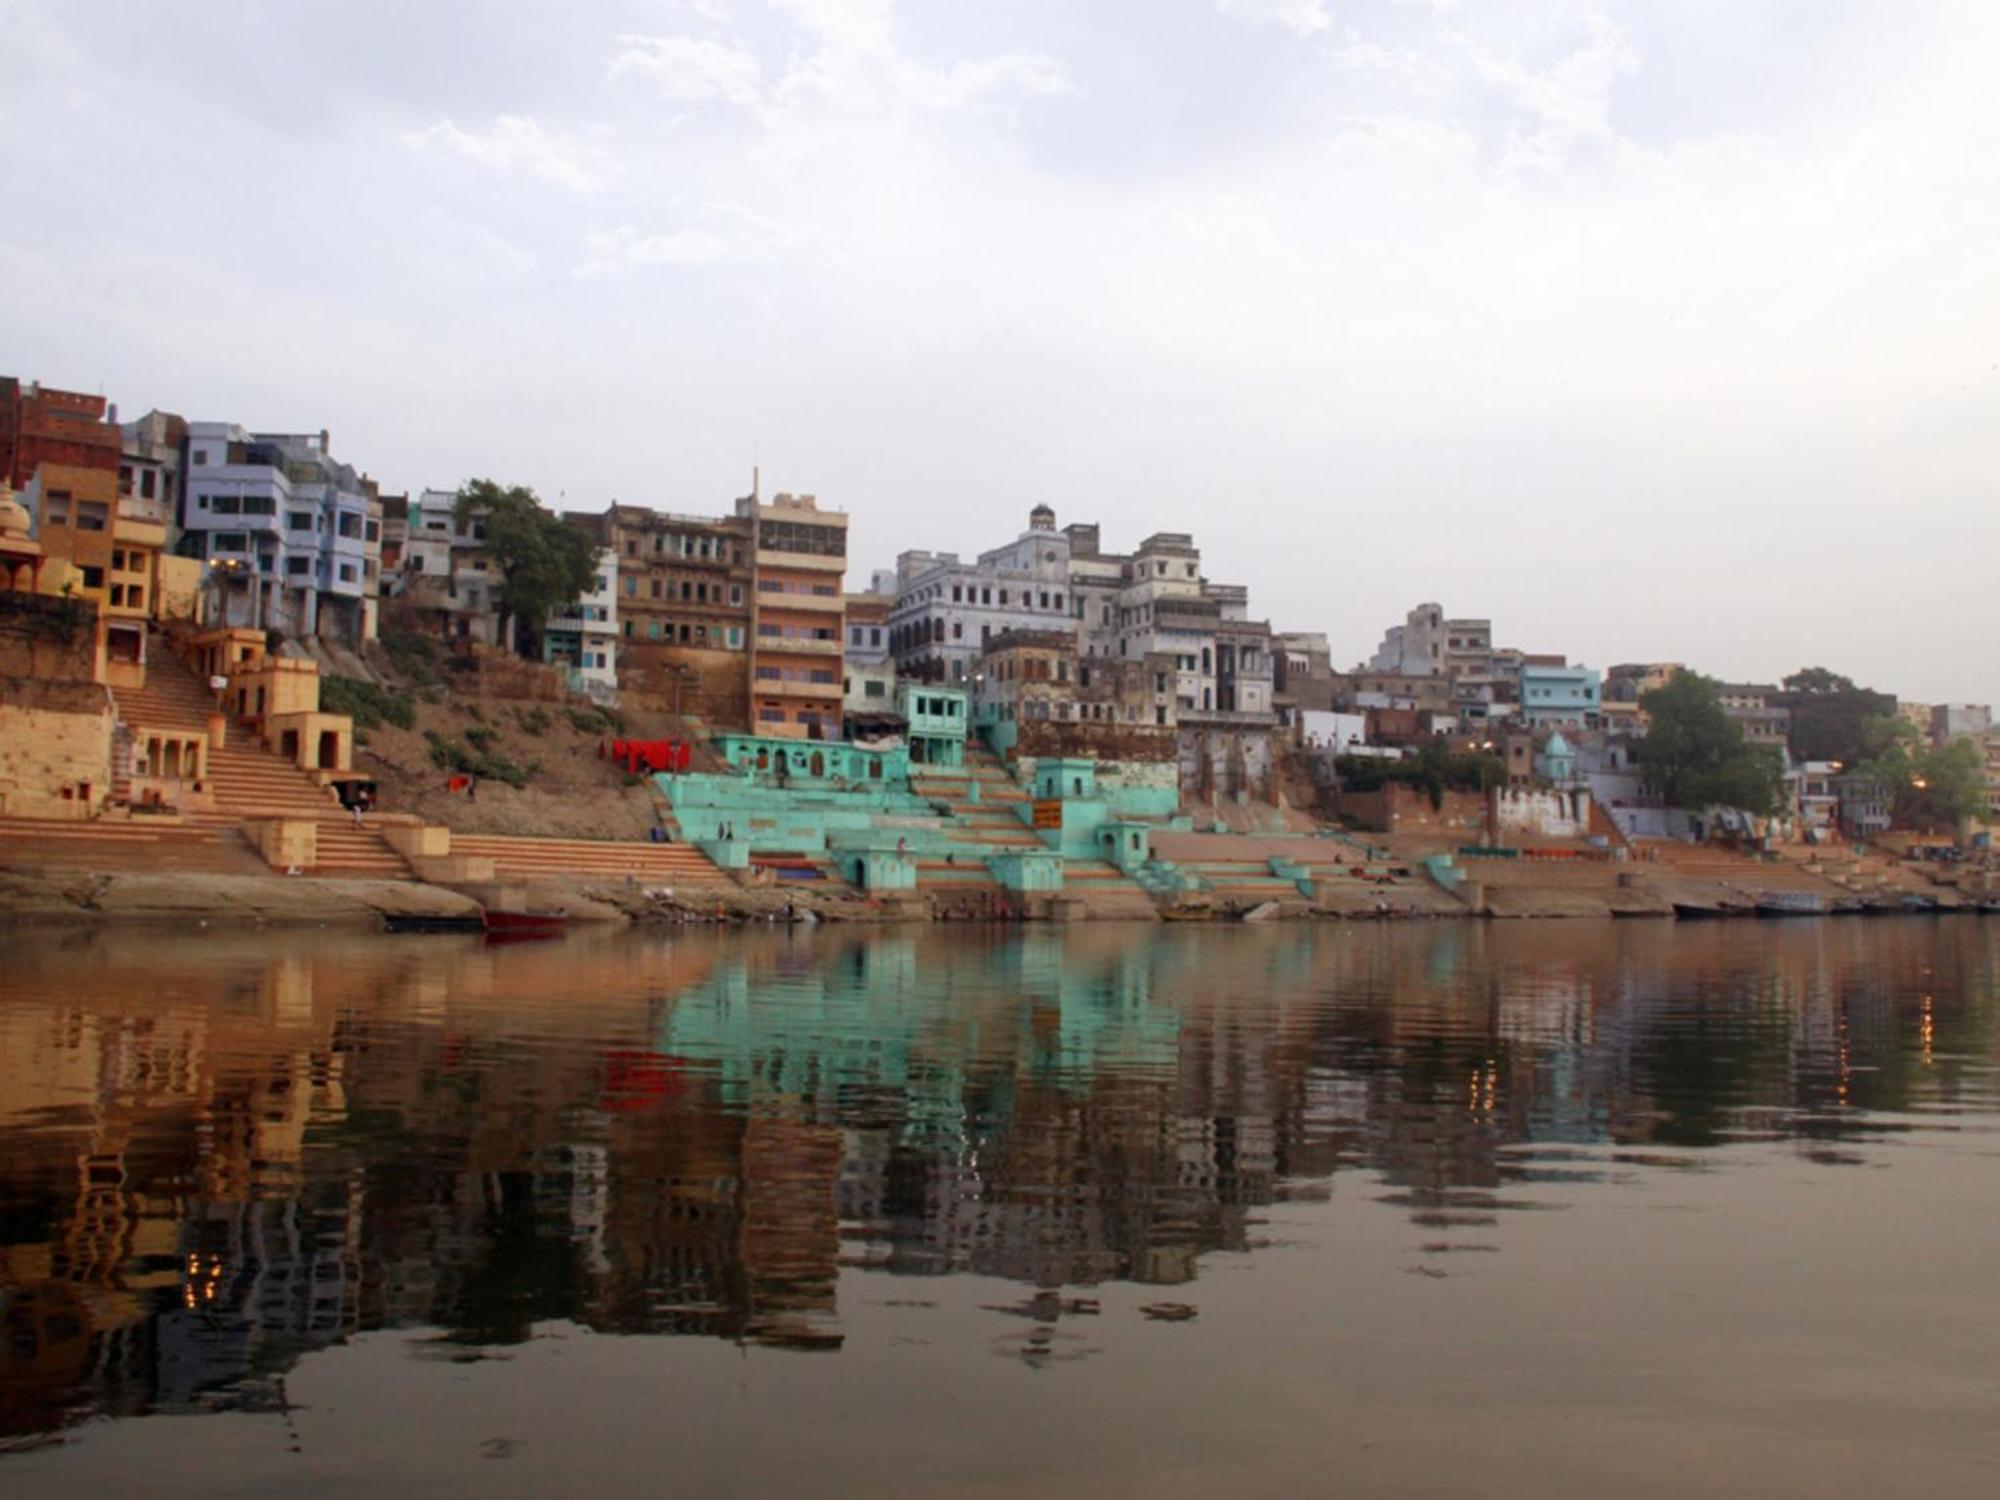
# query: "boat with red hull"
[525,924]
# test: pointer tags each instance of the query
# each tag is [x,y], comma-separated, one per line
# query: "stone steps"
[526,858]
[119,848]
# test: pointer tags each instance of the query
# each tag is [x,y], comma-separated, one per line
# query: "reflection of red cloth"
[633,1080]
[458,783]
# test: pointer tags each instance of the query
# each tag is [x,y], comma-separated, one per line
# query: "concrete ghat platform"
[220,900]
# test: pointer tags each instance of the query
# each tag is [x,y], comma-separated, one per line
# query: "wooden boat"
[1791,904]
[1696,911]
[525,924]
[1186,913]
[410,922]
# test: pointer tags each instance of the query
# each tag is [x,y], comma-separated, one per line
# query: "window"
[735,593]
[347,572]
[296,566]
[226,505]
[93,578]
[92,515]
[201,455]
[874,688]
[299,520]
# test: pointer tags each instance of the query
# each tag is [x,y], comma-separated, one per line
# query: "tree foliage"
[1435,769]
[1828,714]
[1694,755]
[544,561]
[1930,788]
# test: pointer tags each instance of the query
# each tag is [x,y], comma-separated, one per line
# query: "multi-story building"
[936,720]
[41,425]
[1553,692]
[446,585]
[283,527]
[152,466]
[685,611]
[1427,644]
[1755,709]
[1917,716]
[868,674]
[947,610]
[798,615]
[111,547]
[1414,648]
[1245,670]
[1302,673]
[1468,648]
[1036,677]
[1950,721]
[582,637]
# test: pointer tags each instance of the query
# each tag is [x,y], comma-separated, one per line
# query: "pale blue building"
[1562,695]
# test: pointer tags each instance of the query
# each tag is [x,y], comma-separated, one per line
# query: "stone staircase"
[521,859]
[142,846]
[247,781]
[1742,873]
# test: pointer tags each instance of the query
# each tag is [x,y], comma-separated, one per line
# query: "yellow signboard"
[1048,813]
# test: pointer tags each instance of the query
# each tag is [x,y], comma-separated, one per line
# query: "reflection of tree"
[281,1152]
[524,1271]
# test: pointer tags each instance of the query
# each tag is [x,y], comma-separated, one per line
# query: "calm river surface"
[1561,1209]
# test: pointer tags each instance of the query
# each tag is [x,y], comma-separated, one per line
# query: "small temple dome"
[15,522]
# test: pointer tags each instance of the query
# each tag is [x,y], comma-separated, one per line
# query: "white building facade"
[283,527]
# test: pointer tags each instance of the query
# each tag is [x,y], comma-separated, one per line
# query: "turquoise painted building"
[938,718]
[1562,695]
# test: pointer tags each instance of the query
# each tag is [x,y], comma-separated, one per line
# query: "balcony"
[762,687]
[787,645]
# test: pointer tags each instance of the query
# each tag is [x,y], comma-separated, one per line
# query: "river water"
[1562,1209]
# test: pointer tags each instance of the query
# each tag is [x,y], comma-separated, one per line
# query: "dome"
[14,519]
[1041,518]
[1557,745]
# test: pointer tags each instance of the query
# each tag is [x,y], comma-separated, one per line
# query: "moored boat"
[1791,904]
[417,922]
[524,924]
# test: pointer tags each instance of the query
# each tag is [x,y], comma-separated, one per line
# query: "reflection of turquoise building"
[937,718]
[870,1018]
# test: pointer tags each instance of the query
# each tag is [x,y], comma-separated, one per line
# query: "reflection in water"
[219,1153]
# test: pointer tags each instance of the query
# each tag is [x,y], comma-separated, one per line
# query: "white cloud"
[728,234]
[1571,100]
[1306,17]
[691,70]
[516,143]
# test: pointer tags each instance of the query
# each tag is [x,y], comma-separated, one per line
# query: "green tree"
[1694,756]
[1828,714]
[544,561]
[1927,788]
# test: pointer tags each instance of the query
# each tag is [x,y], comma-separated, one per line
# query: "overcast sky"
[1652,331]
